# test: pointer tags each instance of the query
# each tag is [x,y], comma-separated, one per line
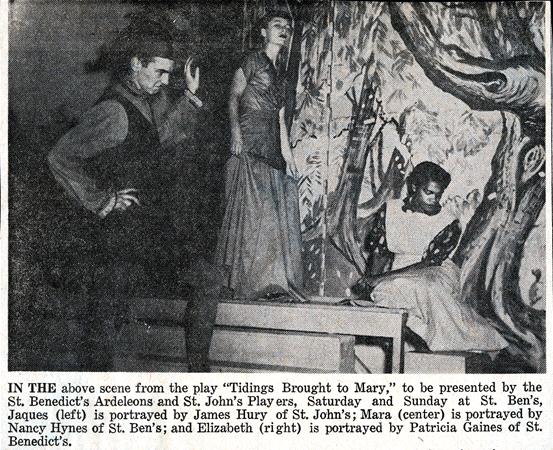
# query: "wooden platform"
[371,359]
[447,362]
[266,336]
[161,348]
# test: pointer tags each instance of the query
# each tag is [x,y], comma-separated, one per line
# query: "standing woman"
[260,240]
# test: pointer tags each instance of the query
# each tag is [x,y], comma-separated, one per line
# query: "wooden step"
[143,347]
[313,352]
[447,362]
[148,363]
[370,359]
[321,317]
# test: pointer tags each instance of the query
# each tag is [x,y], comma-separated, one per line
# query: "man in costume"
[119,163]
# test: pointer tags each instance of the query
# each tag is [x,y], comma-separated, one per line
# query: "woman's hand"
[292,169]
[236,143]
[365,285]
[192,81]
[371,281]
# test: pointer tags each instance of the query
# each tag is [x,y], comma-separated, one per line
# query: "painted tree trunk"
[363,142]
[342,212]
[491,249]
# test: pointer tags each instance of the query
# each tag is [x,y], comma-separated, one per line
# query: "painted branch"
[516,85]
[293,71]
[393,179]
[502,24]
[371,164]
[379,157]
[342,213]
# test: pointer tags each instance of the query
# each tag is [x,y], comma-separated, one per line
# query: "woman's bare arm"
[291,167]
[239,83]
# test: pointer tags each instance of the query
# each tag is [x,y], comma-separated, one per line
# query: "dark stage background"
[49,87]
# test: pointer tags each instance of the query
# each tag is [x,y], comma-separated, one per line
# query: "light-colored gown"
[431,294]
[260,239]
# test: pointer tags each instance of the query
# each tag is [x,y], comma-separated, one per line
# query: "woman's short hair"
[271,14]
[425,172]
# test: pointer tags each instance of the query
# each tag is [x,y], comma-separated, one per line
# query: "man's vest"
[137,162]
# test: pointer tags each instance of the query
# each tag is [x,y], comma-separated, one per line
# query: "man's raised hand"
[192,81]
[126,198]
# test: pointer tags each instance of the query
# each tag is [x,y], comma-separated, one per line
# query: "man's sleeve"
[102,127]
[181,117]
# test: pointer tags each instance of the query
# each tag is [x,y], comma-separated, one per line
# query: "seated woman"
[414,238]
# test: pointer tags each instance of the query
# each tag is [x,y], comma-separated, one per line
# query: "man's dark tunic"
[117,145]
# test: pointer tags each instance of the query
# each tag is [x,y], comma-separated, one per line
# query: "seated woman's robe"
[431,295]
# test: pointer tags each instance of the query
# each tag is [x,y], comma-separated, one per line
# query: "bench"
[161,348]
[259,336]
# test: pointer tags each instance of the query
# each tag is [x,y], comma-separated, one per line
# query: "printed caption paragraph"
[52,414]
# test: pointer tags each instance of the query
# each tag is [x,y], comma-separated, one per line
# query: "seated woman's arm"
[437,252]
[443,244]
[379,259]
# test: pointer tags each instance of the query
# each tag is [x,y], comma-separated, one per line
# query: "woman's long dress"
[260,239]
[430,294]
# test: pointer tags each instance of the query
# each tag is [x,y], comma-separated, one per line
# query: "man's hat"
[147,35]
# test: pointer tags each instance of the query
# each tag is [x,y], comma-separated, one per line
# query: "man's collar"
[130,86]
[138,98]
